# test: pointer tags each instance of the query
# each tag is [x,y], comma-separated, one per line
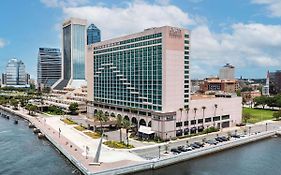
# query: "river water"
[22,153]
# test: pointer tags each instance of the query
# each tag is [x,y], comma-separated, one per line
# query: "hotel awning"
[146,130]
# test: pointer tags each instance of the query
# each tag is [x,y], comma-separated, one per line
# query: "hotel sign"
[175,33]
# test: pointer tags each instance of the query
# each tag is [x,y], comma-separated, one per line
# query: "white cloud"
[3,43]
[248,45]
[273,6]
[135,16]
[64,3]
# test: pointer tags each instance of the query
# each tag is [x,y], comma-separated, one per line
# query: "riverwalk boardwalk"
[73,144]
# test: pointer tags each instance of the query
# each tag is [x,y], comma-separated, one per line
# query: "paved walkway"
[74,142]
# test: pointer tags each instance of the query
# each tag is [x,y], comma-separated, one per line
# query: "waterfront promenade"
[72,144]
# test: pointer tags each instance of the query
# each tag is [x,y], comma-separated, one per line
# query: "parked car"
[224,138]
[194,145]
[199,144]
[235,136]
[175,151]
[212,142]
[218,139]
[182,149]
[189,148]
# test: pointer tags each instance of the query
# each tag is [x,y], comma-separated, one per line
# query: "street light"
[266,126]
[159,151]
[250,130]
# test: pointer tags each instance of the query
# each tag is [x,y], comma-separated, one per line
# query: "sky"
[244,33]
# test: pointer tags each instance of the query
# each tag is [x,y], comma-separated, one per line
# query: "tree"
[181,109]
[119,125]
[203,108]
[15,104]
[102,118]
[277,115]
[127,126]
[33,108]
[262,100]
[73,107]
[246,116]
[28,107]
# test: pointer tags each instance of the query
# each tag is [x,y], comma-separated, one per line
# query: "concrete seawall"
[152,164]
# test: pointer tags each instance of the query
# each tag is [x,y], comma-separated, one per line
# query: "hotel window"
[208,120]
[200,120]
[217,118]
[178,124]
[193,122]
[225,117]
[185,123]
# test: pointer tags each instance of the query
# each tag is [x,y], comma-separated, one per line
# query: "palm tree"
[215,113]
[181,109]
[203,108]
[119,125]
[187,111]
[101,118]
[127,126]
[195,110]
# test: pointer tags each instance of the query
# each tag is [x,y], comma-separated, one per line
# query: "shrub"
[118,145]
[69,122]
[93,135]
[80,128]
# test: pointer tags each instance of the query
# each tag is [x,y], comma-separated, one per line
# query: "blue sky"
[245,33]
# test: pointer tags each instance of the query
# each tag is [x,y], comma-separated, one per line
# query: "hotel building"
[73,54]
[144,77]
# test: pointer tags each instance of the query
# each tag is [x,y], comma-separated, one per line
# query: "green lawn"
[258,115]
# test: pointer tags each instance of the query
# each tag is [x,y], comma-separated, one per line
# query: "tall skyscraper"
[227,72]
[146,73]
[93,34]
[48,66]
[73,54]
[15,74]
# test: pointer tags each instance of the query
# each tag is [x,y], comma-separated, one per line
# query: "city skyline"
[243,38]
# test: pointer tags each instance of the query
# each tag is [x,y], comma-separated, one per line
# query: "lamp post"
[266,126]
[166,136]
[250,130]
[159,147]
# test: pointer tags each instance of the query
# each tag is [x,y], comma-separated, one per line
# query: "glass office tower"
[74,48]
[48,66]
[93,34]
[15,74]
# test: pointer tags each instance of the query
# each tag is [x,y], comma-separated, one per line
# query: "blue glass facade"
[67,52]
[78,51]
[93,34]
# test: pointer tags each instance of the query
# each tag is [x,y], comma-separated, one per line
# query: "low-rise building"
[216,84]
[248,96]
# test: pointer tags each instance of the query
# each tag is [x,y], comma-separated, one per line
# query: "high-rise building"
[73,54]
[15,74]
[146,72]
[48,66]
[93,34]
[227,72]
[275,82]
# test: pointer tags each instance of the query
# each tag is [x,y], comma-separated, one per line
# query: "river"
[22,153]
